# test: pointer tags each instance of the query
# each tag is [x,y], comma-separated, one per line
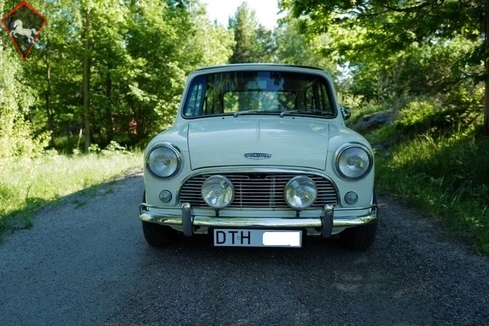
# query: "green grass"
[444,173]
[28,183]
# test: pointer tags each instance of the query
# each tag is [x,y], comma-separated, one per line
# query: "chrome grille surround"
[258,190]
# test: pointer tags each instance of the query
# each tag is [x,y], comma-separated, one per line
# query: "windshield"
[259,92]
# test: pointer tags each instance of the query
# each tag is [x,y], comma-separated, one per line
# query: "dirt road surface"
[85,262]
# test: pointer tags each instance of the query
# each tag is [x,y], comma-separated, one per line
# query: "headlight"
[300,192]
[163,160]
[217,191]
[353,161]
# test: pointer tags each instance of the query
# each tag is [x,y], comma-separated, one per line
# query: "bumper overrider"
[188,221]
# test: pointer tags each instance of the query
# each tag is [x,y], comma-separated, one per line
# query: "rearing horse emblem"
[19,29]
[24,24]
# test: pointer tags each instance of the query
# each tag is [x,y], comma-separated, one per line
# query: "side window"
[326,103]
[203,98]
[194,101]
[316,98]
[309,99]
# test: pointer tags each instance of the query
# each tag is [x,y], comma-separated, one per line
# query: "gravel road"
[85,262]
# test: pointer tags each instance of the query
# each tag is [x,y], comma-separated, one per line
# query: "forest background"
[105,76]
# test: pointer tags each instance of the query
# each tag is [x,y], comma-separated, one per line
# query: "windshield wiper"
[237,114]
[306,112]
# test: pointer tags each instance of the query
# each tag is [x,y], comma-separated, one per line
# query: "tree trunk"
[47,96]
[108,92]
[486,64]
[486,102]
[86,78]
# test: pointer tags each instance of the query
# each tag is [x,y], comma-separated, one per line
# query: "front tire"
[360,237]
[158,235]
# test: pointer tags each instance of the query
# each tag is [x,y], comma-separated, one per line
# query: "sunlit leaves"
[254,43]
[393,47]
[295,48]
[139,53]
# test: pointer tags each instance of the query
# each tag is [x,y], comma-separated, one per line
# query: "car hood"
[292,142]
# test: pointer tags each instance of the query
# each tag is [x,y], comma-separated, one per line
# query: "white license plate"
[257,238]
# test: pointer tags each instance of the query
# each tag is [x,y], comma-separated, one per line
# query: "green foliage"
[254,43]
[16,133]
[396,48]
[295,48]
[382,28]
[435,117]
[418,116]
[138,55]
[214,42]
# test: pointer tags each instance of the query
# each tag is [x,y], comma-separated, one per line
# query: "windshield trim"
[325,98]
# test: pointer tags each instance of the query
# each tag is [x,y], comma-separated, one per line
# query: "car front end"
[264,176]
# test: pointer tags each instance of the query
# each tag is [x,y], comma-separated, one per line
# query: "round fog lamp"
[351,198]
[217,191]
[300,192]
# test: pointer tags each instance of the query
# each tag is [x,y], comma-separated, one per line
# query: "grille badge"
[257,156]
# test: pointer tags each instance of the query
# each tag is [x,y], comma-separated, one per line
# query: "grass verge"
[445,176]
[28,183]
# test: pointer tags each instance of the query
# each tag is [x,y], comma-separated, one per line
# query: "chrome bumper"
[325,222]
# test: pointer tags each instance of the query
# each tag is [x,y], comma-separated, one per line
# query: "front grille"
[258,190]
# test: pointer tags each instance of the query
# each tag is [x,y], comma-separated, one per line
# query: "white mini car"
[259,155]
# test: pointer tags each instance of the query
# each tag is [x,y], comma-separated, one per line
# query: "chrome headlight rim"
[226,199]
[342,150]
[177,157]
[302,180]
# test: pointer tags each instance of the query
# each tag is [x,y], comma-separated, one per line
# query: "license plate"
[257,238]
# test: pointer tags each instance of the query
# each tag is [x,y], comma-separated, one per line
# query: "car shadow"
[199,249]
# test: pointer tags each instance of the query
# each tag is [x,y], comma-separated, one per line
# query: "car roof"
[234,67]
[257,65]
